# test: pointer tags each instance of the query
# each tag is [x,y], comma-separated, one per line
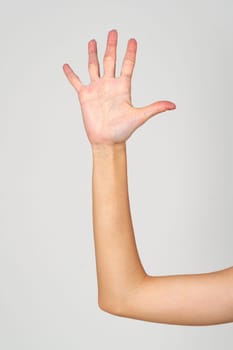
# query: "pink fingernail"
[172,106]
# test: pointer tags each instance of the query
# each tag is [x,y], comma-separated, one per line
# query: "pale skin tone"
[124,287]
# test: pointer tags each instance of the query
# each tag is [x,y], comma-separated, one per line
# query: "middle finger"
[110,55]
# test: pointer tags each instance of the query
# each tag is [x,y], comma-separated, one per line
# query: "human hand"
[107,111]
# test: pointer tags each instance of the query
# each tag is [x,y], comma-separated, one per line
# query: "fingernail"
[172,107]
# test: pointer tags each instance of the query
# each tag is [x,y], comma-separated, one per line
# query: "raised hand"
[107,111]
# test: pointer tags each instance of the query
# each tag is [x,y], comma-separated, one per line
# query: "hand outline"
[108,114]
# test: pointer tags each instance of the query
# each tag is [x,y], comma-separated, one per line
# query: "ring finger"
[93,62]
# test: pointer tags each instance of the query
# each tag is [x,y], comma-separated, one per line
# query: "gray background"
[179,166]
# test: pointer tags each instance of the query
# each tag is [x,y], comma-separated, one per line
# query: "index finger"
[129,59]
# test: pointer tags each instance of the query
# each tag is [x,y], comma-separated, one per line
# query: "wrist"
[108,149]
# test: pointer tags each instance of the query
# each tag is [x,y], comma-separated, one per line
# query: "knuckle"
[127,76]
[130,59]
[92,64]
[108,57]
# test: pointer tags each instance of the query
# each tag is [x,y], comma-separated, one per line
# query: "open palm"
[107,111]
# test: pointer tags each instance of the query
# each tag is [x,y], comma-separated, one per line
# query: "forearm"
[118,266]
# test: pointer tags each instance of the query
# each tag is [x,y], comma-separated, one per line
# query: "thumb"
[144,113]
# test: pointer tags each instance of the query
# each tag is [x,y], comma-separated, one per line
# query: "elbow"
[119,303]
[111,305]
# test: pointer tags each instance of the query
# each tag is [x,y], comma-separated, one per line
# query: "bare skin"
[124,288]
[108,114]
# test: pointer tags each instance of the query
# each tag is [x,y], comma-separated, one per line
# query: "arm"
[124,288]
[119,269]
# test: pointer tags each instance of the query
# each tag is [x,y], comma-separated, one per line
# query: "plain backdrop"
[179,166]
